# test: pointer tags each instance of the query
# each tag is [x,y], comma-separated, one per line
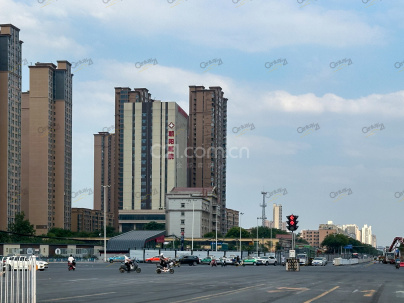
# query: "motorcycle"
[398,263]
[71,265]
[161,269]
[213,263]
[133,266]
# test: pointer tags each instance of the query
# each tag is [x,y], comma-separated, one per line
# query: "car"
[318,261]
[228,260]
[268,260]
[191,260]
[41,264]
[118,258]
[154,259]
[207,260]
[252,261]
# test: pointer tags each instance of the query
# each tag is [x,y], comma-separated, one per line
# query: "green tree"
[153,225]
[234,232]
[334,242]
[22,228]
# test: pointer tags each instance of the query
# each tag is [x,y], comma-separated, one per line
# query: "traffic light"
[292,222]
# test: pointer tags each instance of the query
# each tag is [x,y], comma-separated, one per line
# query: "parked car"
[318,261]
[154,259]
[228,260]
[252,261]
[207,260]
[191,260]
[118,258]
[268,260]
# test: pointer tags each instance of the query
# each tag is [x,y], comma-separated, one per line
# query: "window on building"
[182,213]
[182,222]
[182,205]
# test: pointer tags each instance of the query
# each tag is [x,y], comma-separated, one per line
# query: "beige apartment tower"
[277,216]
[150,160]
[104,174]
[10,124]
[207,143]
[47,146]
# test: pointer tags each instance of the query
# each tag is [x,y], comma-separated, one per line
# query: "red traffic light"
[292,218]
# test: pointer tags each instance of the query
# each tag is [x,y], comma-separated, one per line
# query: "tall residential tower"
[207,143]
[10,124]
[47,146]
[150,141]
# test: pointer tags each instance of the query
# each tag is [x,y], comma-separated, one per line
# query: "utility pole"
[105,220]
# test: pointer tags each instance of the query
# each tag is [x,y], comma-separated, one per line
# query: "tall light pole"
[257,234]
[217,211]
[193,220]
[239,223]
[105,220]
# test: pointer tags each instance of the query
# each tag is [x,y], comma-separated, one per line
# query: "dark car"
[191,260]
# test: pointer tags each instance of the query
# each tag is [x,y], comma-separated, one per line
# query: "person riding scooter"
[71,262]
[163,262]
[127,262]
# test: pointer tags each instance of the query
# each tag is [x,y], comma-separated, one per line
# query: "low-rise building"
[192,211]
[312,236]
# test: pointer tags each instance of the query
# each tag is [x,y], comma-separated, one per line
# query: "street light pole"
[239,223]
[105,221]
[193,220]
[217,211]
[257,234]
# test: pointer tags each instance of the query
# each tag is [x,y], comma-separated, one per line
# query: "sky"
[314,92]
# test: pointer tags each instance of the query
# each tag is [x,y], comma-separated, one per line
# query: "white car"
[268,260]
[41,264]
[318,261]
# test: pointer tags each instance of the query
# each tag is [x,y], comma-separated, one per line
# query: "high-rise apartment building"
[207,142]
[232,218]
[104,174]
[47,146]
[352,230]
[10,124]
[277,216]
[366,234]
[150,160]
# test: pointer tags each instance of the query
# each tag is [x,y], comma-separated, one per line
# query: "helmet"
[161,255]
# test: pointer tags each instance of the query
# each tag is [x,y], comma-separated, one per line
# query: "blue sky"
[284,65]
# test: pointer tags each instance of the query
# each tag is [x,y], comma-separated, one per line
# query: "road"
[102,283]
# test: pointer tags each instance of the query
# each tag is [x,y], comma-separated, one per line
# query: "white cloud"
[391,104]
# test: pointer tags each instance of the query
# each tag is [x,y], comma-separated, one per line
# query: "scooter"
[174,263]
[398,263]
[161,269]
[133,266]
[71,265]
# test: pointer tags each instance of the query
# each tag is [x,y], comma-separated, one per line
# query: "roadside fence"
[18,279]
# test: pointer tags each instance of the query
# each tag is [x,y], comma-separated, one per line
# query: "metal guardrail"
[18,279]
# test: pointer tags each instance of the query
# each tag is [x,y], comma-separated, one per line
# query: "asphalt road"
[102,283]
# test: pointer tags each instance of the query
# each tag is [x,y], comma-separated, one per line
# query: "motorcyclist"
[163,261]
[127,261]
[71,260]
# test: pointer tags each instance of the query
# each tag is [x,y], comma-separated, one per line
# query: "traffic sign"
[349,246]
